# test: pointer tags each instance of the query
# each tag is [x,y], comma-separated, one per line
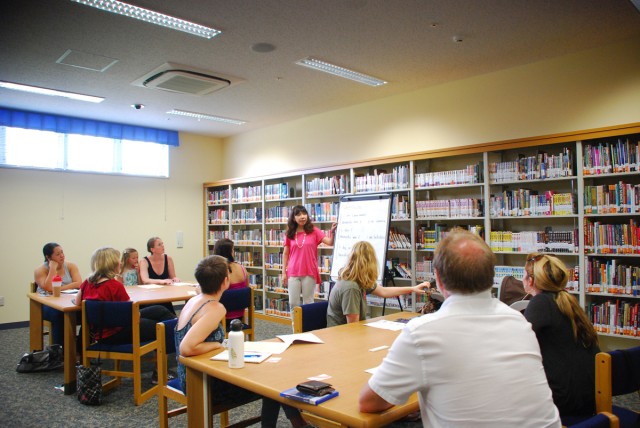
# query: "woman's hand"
[419,289]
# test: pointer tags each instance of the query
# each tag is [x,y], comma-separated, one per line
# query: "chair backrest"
[601,420]
[625,371]
[237,299]
[169,344]
[312,316]
[33,287]
[108,314]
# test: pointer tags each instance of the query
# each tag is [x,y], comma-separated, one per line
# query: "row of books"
[247,237]
[612,276]
[472,174]
[382,181]
[615,317]
[502,271]
[277,306]
[466,207]
[246,194]
[602,238]
[327,186]
[526,202]
[622,155]
[400,207]
[248,258]
[323,211]
[398,240]
[540,166]
[218,216]
[273,260]
[255,280]
[427,238]
[612,198]
[546,241]
[424,270]
[277,214]
[218,197]
[277,191]
[247,215]
[215,235]
[274,237]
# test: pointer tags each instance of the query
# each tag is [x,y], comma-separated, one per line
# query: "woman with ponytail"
[568,341]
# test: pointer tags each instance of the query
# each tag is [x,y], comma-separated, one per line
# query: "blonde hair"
[105,262]
[550,274]
[362,266]
[125,258]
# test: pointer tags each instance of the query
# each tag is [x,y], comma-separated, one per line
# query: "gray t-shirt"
[346,298]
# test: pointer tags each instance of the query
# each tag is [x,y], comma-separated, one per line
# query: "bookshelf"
[576,195]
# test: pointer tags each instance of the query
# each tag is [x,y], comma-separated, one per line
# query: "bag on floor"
[90,384]
[51,358]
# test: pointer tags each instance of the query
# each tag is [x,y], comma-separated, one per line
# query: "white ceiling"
[408,43]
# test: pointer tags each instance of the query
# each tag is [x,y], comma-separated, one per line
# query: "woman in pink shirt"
[300,256]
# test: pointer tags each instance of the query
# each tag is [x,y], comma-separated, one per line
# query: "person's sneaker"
[170,376]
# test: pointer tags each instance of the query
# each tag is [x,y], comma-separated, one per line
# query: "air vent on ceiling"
[184,80]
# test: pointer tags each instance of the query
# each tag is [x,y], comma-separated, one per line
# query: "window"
[29,148]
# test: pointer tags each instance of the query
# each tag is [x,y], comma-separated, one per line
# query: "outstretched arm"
[398,291]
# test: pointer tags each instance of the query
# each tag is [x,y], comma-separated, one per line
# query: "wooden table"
[64,303]
[344,356]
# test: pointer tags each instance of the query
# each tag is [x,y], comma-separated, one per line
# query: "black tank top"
[165,272]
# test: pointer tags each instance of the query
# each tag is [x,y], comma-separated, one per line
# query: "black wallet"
[314,387]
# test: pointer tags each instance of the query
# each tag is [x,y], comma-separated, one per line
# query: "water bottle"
[236,345]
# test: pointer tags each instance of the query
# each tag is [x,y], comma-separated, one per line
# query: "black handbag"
[89,383]
[51,358]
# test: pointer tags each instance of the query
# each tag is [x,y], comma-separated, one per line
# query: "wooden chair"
[312,316]
[97,315]
[46,325]
[601,420]
[241,299]
[618,373]
[171,389]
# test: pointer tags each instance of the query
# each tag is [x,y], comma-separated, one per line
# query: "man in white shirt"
[474,363]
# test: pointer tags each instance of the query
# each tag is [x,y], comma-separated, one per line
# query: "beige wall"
[85,211]
[591,89]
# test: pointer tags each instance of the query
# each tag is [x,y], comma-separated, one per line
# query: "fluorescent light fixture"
[336,70]
[50,92]
[200,116]
[147,15]
[636,3]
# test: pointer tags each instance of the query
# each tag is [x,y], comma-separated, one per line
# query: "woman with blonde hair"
[347,301]
[103,285]
[568,341]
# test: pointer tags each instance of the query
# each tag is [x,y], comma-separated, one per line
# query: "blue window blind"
[95,128]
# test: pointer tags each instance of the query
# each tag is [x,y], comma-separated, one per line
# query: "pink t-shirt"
[303,254]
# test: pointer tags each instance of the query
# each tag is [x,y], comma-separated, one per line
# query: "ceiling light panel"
[152,17]
[336,70]
[202,116]
[50,92]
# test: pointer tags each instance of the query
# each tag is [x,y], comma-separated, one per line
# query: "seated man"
[474,363]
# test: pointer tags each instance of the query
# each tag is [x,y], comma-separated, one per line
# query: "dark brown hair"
[292,226]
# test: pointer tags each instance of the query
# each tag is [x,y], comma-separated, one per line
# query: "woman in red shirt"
[103,285]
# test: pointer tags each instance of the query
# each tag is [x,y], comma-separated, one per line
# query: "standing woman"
[55,264]
[300,256]
[157,268]
[347,302]
[237,273]
[568,341]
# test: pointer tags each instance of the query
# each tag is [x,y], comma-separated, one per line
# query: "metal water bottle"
[236,345]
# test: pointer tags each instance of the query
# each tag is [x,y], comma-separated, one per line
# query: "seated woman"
[199,330]
[55,264]
[568,341]
[237,273]
[102,285]
[156,262]
[347,302]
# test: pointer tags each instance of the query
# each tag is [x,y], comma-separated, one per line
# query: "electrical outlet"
[1,300]
[179,239]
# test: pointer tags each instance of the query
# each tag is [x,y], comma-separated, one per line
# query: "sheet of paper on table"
[184,283]
[280,347]
[150,286]
[386,325]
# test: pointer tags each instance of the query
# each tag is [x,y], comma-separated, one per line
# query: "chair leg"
[224,419]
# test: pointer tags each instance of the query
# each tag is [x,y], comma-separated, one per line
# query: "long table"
[345,355]
[169,293]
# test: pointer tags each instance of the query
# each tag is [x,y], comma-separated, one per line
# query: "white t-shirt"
[474,363]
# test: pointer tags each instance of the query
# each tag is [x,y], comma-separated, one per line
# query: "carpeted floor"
[31,400]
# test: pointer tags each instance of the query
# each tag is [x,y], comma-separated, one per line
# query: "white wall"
[591,89]
[85,211]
